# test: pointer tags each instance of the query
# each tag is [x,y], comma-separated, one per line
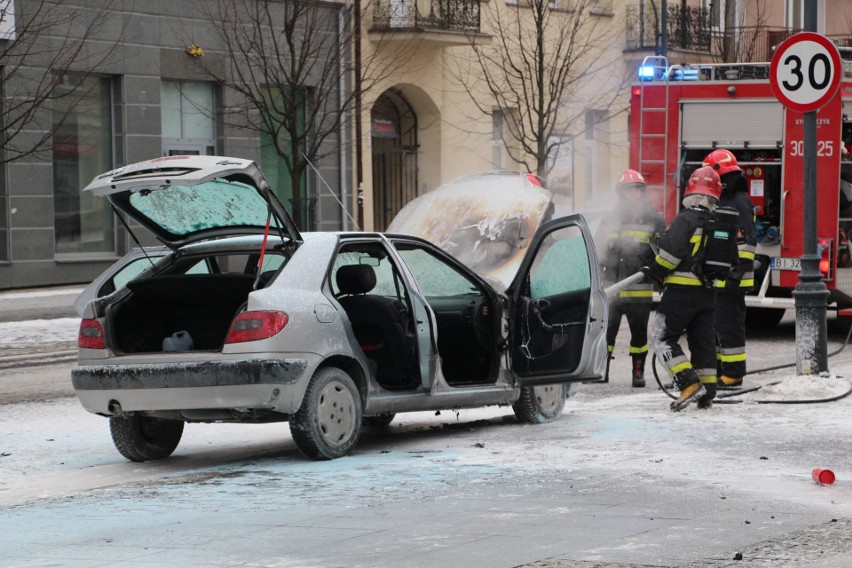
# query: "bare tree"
[544,68]
[41,42]
[285,62]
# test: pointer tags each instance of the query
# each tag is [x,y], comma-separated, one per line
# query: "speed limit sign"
[805,71]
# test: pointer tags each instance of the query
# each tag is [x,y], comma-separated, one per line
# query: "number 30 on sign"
[805,71]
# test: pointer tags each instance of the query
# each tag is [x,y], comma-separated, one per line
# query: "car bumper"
[229,384]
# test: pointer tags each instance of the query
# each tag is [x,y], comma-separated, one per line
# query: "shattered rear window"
[181,209]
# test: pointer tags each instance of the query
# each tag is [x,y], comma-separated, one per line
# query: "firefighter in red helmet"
[624,239]
[687,304]
[730,302]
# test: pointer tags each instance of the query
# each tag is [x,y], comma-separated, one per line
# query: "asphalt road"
[38,303]
[617,482]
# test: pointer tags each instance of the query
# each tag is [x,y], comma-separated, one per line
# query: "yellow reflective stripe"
[665,263]
[682,280]
[731,358]
[747,255]
[636,294]
[696,242]
[637,350]
[640,236]
[707,379]
[610,348]
[744,283]
[675,369]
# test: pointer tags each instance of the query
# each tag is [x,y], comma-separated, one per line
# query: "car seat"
[380,326]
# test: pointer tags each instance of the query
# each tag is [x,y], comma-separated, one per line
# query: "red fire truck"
[680,113]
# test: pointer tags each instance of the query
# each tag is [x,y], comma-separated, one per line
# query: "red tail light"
[91,335]
[253,326]
[825,253]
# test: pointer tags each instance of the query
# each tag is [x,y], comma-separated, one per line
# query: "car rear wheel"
[139,438]
[328,423]
[540,404]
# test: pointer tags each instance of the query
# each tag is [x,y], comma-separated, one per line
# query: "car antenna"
[331,191]
[132,234]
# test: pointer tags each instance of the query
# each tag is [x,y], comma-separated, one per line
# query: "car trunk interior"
[201,304]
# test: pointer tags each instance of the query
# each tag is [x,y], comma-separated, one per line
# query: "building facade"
[88,87]
[138,80]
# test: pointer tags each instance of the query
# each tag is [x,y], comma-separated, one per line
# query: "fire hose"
[722,398]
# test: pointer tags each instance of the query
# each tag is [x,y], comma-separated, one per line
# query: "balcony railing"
[444,15]
[691,29]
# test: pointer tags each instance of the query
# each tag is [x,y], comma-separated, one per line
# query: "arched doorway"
[394,143]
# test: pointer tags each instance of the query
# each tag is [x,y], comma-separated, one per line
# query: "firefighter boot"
[689,392]
[726,382]
[639,369]
[706,401]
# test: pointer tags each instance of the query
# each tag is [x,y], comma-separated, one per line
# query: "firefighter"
[730,302]
[687,303]
[626,247]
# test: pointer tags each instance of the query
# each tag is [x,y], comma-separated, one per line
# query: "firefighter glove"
[732,284]
[646,270]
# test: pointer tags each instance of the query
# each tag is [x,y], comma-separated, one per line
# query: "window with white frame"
[187,116]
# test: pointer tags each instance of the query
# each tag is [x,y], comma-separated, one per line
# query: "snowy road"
[618,480]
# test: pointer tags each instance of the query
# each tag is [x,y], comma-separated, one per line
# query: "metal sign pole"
[810,293]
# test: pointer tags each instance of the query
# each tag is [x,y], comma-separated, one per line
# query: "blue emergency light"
[653,67]
[646,73]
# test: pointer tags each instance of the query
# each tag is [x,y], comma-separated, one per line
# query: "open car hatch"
[183,199]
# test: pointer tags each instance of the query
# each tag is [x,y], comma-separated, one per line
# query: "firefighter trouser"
[690,310]
[731,334]
[637,312]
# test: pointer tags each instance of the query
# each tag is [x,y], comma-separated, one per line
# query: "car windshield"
[181,209]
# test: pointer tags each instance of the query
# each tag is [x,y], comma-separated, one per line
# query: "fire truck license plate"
[780,263]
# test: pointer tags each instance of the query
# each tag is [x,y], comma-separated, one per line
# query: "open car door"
[559,309]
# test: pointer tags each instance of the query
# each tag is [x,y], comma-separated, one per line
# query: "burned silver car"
[247,320]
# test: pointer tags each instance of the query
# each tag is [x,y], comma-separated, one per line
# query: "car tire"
[328,423]
[379,420]
[140,438]
[763,318]
[540,404]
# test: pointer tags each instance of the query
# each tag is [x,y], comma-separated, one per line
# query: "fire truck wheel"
[763,318]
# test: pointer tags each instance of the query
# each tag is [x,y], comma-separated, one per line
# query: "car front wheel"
[540,404]
[328,423]
[139,438]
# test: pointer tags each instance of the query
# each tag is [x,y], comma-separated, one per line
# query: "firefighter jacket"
[627,235]
[736,197]
[678,248]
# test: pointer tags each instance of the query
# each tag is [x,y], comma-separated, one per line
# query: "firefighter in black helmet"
[730,302]
[624,239]
[687,304]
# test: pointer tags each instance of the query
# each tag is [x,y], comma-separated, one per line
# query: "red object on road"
[823,476]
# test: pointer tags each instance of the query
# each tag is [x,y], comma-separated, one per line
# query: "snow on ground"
[17,334]
[765,448]
[39,293]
